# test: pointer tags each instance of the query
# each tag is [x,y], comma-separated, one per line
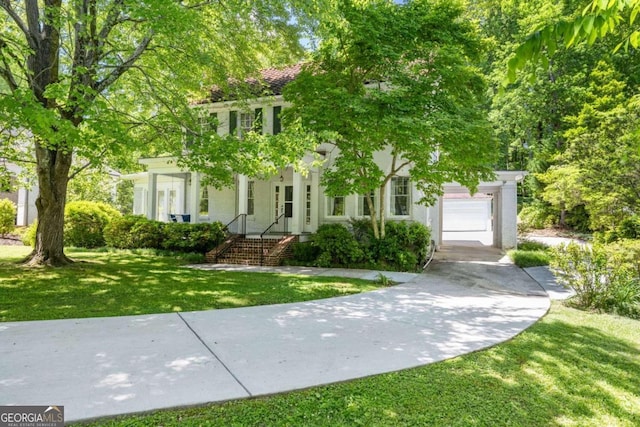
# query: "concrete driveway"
[107,366]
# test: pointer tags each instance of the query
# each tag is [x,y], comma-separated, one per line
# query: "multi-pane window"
[336,206]
[204,202]
[246,122]
[307,212]
[208,122]
[400,195]
[251,198]
[363,206]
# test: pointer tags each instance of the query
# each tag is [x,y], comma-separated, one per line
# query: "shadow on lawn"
[553,374]
[111,284]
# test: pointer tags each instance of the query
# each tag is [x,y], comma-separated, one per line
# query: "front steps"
[252,251]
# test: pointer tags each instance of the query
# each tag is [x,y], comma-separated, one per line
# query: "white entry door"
[282,200]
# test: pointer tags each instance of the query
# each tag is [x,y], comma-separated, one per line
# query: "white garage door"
[466,215]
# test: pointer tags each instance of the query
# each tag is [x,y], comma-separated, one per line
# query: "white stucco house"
[22,194]
[166,192]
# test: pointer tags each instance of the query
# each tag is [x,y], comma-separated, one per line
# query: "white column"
[152,196]
[436,222]
[315,202]
[243,188]
[509,215]
[298,204]
[22,218]
[194,197]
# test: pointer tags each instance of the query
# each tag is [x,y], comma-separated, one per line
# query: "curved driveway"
[107,366]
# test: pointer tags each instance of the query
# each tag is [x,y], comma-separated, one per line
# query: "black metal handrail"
[276,222]
[241,219]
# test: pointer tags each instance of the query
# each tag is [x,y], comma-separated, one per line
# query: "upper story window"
[208,122]
[400,196]
[277,123]
[245,121]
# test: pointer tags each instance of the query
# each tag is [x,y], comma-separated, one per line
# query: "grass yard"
[118,283]
[572,368]
[530,254]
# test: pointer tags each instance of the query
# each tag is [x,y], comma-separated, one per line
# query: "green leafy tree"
[97,79]
[604,142]
[563,189]
[400,80]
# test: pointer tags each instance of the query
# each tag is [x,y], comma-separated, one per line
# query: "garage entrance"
[467,219]
[488,218]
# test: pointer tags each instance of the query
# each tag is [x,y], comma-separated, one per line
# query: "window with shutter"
[233,123]
[277,124]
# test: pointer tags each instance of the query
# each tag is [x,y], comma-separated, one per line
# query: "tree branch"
[128,63]
[86,165]
[31,39]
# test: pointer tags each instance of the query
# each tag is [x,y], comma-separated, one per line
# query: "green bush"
[7,216]
[137,232]
[629,228]
[85,222]
[117,234]
[604,277]
[536,217]
[305,252]
[29,236]
[185,237]
[337,246]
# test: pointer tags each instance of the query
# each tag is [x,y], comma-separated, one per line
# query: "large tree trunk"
[53,177]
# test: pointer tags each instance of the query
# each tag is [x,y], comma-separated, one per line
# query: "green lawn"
[570,369]
[122,283]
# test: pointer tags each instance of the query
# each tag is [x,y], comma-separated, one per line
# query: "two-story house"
[296,201]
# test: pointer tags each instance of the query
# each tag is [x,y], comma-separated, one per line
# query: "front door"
[282,200]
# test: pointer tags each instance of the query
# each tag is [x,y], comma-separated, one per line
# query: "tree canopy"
[399,79]
[101,79]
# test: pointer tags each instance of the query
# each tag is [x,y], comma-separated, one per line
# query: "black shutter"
[257,120]
[277,125]
[233,123]
[213,122]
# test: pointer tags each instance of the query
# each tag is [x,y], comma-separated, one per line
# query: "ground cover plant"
[116,282]
[530,254]
[572,368]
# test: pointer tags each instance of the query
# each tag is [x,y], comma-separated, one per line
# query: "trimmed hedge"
[403,248]
[133,232]
[84,223]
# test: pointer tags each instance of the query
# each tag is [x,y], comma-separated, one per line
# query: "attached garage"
[462,212]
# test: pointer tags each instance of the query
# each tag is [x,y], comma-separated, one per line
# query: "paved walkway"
[107,366]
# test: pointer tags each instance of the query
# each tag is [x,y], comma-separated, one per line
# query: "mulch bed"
[11,240]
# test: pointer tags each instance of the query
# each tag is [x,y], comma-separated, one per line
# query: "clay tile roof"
[271,82]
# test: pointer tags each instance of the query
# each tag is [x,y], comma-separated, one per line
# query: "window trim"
[392,196]
[330,206]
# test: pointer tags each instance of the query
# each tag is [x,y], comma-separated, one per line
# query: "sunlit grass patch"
[112,283]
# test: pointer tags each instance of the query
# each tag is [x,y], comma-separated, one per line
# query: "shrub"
[85,222]
[147,233]
[117,234]
[137,232]
[29,236]
[629,228]
[7,216]
[536,216]
[337,246]
[305,252]
[603,277]
[185,237]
